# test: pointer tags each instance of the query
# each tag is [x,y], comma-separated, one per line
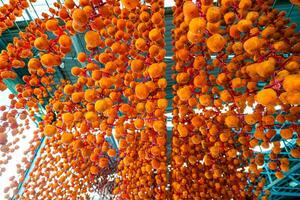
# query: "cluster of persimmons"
[237,72]
[237,88]
[10,12]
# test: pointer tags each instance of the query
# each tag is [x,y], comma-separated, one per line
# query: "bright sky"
[11,169]
[169,3]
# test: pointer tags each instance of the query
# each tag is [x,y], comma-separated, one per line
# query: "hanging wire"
[274,3]
[290,10]
[17,26]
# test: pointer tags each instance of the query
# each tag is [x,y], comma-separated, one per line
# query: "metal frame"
[279,188]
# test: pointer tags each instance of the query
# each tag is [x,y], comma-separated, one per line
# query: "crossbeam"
[277,181]
[286,194]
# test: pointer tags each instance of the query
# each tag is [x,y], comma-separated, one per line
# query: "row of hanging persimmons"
[229,57]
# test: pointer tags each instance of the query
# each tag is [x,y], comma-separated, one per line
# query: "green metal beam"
[32,164]
[286,194]
[277,181]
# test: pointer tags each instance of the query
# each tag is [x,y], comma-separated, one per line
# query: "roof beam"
[32,164]
[286,194]
[277,181]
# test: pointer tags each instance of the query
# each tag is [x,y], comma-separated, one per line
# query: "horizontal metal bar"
[286,194]
[293,169]
[283,153]
[277,189]
[272,173]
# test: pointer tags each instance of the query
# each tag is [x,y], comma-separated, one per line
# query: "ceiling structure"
[286,188]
